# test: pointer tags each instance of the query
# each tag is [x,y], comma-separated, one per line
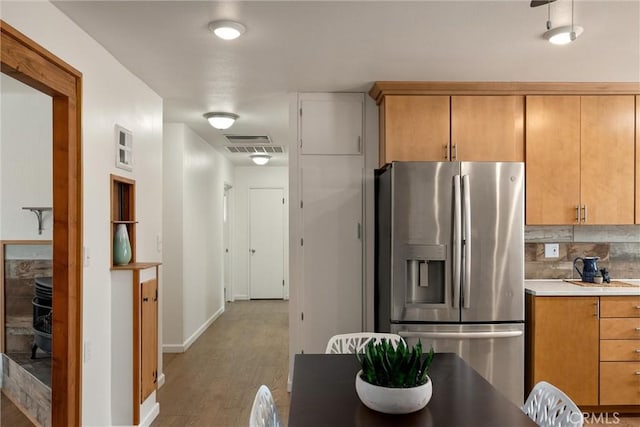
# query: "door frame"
[284,242]
[27,61]
[227,263]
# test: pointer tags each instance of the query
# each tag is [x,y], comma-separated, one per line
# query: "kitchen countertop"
[559,287]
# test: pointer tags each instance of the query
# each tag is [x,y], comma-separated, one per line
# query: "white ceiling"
[300,46]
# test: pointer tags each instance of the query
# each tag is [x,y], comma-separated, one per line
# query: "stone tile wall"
[617,246]
[31,395]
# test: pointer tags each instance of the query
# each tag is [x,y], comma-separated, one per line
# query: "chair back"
[548,406]
[264,412]
[355,343]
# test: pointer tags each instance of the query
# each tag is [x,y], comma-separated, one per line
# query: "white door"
[332,248]
[226,239]
[266,243]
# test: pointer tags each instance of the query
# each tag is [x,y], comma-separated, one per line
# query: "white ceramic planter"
[393,400]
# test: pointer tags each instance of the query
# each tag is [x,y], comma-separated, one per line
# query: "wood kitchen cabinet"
[637,159]
[414,128]
[620,350]
[457,128]
[561,340]
[580,159]
[487,128]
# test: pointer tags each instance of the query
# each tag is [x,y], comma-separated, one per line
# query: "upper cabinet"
[331,124]
[457,128]
[487,128]
[580,159]
[414,128]
[553,160]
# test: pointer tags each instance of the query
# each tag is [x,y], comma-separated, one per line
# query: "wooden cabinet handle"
[445,151]
[454,155]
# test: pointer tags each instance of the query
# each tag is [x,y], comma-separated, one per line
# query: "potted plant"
[394,380]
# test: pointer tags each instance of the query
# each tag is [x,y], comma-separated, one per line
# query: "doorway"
[266,243]
[226,242]
[30,63]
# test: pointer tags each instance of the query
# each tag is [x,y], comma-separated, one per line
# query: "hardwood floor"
[10,415]
[215,381]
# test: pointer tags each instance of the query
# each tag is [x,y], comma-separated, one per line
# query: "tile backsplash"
[617,246]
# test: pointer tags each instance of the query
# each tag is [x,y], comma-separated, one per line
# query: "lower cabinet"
[562,345]
[619,351]
[589,347]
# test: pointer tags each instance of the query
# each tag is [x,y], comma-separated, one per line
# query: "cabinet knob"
[637,350]
[637,329]
[637,372]
[145,299]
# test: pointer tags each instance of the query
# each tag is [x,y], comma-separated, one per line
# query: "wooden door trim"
[30,63]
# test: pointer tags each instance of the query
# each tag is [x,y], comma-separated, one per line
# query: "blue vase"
[121,246]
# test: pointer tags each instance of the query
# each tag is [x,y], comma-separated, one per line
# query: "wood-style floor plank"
[215,381]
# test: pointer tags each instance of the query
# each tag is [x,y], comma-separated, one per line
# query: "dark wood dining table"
[324,394]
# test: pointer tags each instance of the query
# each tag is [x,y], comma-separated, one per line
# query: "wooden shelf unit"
[123,210]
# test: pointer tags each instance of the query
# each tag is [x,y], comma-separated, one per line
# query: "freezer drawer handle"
[460,335]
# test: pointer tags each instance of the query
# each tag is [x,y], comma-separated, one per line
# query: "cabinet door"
[637,159]
[553,159]
[149,337]
[331,212]
[565,345]
[487,128]
[414,128]
[607,155]
[331,123]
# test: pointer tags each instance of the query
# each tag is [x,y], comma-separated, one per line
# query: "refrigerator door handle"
[460,335]
[466,239]
[457,240]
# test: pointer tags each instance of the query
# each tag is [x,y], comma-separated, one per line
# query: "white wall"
[110,95]
[26,137]
[247,177]
[195,175]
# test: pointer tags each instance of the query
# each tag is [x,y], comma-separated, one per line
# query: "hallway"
[215,381]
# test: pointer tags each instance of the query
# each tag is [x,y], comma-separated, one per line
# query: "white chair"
[548,406]
[264,412]
[355,343]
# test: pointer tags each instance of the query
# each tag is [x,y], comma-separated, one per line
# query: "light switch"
[551,250]
[87,351]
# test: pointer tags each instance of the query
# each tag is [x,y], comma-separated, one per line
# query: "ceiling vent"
[251,149]
[248,139]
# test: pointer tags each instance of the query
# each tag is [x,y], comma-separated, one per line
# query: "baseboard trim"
[161,379]
[151,416]
[181,348]
[241,297]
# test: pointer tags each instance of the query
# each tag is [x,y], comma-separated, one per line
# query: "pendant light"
[562,35]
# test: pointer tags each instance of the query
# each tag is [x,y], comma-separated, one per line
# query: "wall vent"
[251,149]
[248,139]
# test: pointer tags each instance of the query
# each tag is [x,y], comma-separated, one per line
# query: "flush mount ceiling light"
[221,120]
[260,159]
[563,35]
[227,30]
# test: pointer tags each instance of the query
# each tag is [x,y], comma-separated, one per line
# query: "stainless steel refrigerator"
[450,262]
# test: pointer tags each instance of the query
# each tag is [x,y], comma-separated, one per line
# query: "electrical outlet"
[86,256]
[551,250]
